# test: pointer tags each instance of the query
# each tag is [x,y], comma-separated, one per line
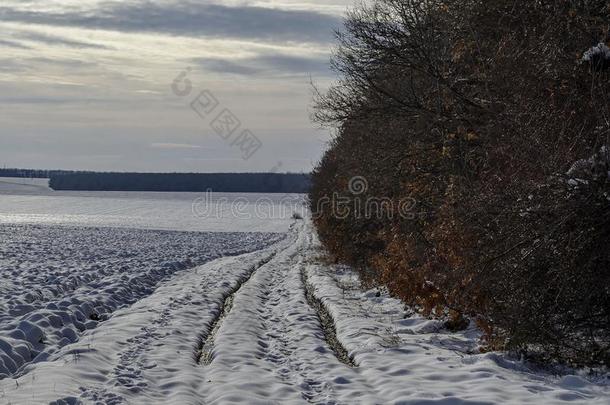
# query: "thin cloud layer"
[57,40]
[12,44]
[268,65]
[189,18]
[87,77]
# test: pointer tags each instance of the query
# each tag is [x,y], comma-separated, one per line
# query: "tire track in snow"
[282,350]
[327,322]
[205,344]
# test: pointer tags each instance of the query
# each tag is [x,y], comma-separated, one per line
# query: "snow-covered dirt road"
[277,326]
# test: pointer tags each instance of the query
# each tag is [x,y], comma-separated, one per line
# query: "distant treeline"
[193,182]
[179,182]
[30,173]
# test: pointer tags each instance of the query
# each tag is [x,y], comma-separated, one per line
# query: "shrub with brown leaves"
[477,110]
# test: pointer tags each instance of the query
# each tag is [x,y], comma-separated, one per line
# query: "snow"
[85,276]
[391,345]
[147,210]
[596,167]
[601,51]
[270,348]
[23,185]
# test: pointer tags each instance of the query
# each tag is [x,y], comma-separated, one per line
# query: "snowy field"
[23,185]
[200,212]
[58,282]
[134,299]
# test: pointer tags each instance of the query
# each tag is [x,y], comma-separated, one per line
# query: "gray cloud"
[226,66]
[23,65]
[267,65]
[13,44]
[35,100]
[165,145]
[56,40]
[73,63]
[52,100]
[12,66]
[189,18]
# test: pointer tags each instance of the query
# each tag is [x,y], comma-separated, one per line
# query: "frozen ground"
[24,185]
[58,282]
[201,212]
[254,329]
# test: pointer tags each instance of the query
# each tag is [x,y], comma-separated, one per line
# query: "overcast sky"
[87,84]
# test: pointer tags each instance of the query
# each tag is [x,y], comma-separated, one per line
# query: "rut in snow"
[327,322]
[205,343]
